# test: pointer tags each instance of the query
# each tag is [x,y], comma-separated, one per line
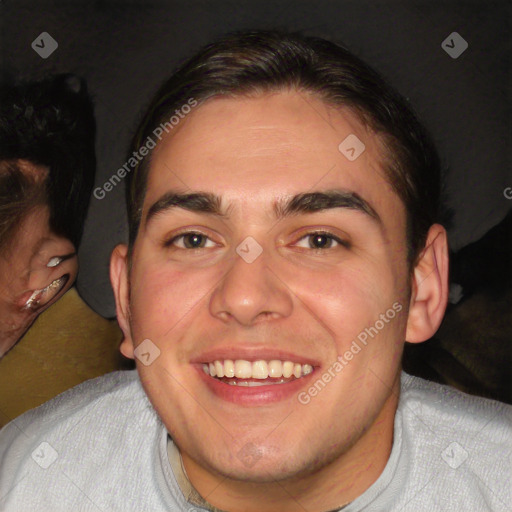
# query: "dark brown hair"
[50,124]
[20,193]
[256,62]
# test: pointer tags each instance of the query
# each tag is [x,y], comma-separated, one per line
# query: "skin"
[307,301]
[23,270]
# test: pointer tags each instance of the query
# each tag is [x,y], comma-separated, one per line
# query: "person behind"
[283,244]
[47,168]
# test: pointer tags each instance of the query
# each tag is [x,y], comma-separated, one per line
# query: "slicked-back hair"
[257,62]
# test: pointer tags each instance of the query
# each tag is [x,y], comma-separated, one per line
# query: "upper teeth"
[243,369]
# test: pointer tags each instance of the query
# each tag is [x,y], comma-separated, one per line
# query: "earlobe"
[429,287]
[119,280]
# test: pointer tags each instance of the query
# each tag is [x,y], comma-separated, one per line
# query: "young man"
[283,246]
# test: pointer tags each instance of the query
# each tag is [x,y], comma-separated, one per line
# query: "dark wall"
[125,49]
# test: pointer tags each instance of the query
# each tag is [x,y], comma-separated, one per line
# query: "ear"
[429,295]
[119,280]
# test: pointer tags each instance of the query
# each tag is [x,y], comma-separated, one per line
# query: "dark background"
[126,49]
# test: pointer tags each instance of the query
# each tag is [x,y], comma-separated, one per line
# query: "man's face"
[301,288]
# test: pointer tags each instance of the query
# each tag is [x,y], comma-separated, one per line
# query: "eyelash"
[170,242]
[327,234]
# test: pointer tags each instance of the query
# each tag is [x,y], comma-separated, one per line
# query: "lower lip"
[257,395]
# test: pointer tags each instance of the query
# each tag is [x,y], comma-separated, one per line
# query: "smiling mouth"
[241,372]
[43,296]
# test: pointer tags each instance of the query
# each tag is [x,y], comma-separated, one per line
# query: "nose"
[251,292]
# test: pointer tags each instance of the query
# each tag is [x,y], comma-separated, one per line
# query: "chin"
[260,473]
[250,464]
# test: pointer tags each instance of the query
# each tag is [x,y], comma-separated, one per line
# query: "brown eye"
[194,240]
[190,240]
[320,241]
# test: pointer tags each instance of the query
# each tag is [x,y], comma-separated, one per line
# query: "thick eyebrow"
[199,202]
[311,202]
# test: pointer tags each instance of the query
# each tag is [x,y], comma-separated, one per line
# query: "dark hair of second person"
[47,168]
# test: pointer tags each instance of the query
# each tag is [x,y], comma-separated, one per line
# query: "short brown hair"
[266,61]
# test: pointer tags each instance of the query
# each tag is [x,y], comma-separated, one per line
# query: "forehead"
[252,150]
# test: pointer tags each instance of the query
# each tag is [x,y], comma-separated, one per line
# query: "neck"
[329,488]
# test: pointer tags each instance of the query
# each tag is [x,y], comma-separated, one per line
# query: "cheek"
[73,271]
[161,298]
[348,298]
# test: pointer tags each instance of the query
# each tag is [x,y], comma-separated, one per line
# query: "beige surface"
[68,343]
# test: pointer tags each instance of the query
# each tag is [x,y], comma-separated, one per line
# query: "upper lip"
[252,354]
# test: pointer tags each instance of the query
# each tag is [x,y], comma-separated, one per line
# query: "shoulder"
[454,412]
[94,427]
[117,393]
[85,398]
[460,444]
[96,403]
